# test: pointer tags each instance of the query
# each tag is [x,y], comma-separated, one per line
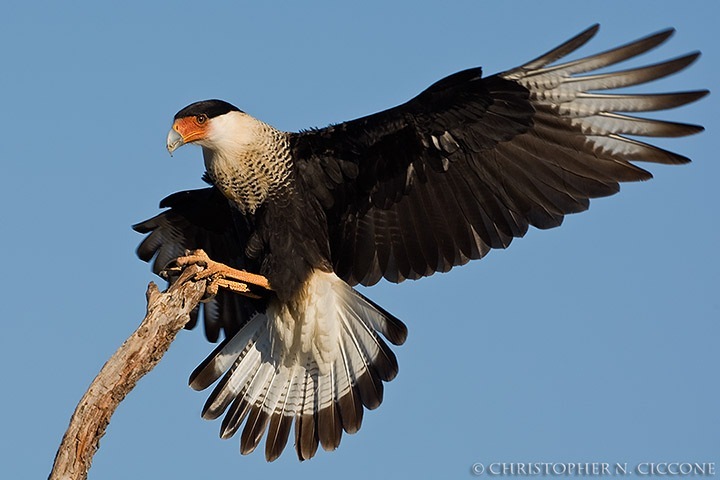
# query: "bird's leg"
[219,275]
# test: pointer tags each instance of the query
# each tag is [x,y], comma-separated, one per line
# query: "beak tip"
[174,141]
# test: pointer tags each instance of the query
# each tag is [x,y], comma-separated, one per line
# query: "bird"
[291,222]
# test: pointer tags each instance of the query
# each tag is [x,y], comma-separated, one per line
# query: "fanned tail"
[316,360]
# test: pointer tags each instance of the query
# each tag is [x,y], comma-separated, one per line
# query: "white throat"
[248,160]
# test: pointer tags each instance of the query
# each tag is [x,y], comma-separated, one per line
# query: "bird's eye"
[202,118]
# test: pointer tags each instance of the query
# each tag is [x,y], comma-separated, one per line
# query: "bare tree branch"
[167,313]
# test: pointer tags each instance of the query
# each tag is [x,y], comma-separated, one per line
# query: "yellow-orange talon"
[219,275]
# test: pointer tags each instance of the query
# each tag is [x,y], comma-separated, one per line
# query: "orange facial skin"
[191,128]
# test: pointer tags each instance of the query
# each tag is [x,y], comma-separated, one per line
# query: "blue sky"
[597,341]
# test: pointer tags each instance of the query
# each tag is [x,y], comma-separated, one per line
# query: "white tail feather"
[317,355]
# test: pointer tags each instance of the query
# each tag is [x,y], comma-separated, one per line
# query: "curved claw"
[218,275]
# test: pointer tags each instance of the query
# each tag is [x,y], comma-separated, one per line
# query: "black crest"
[211,108]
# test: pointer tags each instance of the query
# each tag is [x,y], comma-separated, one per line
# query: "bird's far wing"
[471,162]
[200,219]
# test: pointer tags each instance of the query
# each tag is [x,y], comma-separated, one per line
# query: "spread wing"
[471,162]
[201,219]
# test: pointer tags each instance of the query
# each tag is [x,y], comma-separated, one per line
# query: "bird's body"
[462,168]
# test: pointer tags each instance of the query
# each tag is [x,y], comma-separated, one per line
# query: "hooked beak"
[186,130]
[174,141]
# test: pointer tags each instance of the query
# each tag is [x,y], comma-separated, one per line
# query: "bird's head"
[204,123]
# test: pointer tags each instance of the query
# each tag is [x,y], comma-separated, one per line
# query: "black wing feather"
[471,162]
[202,219]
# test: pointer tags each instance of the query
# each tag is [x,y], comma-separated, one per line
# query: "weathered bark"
[167,313]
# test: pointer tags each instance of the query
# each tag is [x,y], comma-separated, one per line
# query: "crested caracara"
[464,167]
